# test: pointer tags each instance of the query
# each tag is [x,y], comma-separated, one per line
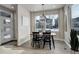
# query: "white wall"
[23,31]
[67,27]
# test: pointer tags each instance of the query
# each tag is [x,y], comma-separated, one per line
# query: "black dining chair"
[74,40]
[47,39]
[36,39]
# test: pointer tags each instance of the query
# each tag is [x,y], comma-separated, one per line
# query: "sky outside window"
[75,11]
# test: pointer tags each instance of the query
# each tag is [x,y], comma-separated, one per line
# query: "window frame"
[54,30]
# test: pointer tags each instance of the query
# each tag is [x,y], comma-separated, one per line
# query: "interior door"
[6,29]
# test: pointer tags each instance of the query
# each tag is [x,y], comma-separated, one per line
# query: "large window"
[37,24]
[75,17]
[51,23]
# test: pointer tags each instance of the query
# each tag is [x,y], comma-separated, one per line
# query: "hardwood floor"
[11,48]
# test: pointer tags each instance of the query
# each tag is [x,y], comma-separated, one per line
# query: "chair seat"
[36,40]
[47,40]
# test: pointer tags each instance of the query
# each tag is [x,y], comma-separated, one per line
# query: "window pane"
[51,23]
[47,16]
[37,17]
[37,23]
[75,17]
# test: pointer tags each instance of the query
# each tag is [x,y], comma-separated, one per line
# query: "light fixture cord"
[43,8]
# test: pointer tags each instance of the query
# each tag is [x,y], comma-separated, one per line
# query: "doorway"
[6,28]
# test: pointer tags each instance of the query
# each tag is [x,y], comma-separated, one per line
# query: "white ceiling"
[36,7]
[9,6]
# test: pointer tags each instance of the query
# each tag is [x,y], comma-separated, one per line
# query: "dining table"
[52,38]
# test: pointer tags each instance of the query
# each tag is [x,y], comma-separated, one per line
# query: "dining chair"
[47,39]
[36,39]
[74,40]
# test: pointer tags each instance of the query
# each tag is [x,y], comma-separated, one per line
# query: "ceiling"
[9,6]
[36,7]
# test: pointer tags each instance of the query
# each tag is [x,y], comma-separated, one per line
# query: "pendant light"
[43,19]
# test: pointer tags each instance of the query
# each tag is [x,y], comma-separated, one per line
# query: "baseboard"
[7,42]
[59,39]
[22,42]
[67,44]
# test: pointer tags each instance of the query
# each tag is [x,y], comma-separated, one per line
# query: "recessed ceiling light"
[12,7]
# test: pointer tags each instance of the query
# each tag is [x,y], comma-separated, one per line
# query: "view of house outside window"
[51,23]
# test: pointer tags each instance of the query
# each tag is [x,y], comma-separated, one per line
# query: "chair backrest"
[46,35]
[73,34]
[35,35]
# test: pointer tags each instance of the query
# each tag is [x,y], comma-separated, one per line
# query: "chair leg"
[43,44]
[53,42]
[33,44]
[39,44]
[50,45]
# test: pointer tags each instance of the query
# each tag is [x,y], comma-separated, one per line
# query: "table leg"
[53,42]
